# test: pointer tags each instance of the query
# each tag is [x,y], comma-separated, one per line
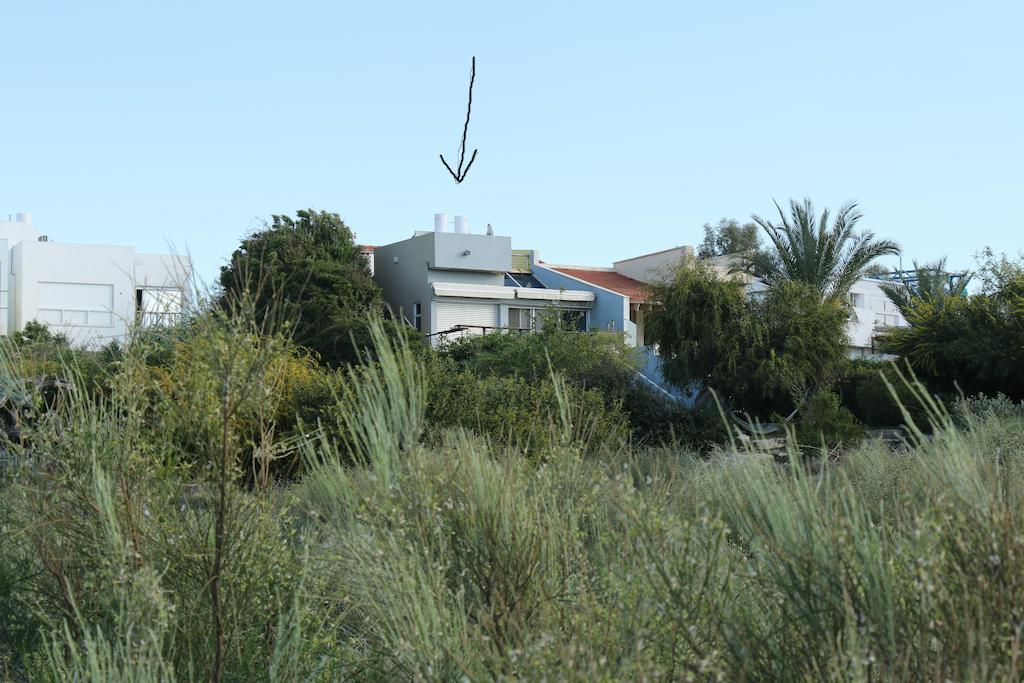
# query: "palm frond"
[820,250]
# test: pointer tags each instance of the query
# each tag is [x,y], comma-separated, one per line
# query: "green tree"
[311,269]
[827,255]
[932,283]
[973,344]
[728,237]
[763,355]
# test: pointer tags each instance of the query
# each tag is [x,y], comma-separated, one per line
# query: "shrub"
[864,393]
[515,411]
[823,420]
[590,362]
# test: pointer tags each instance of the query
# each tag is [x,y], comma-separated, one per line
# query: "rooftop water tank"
[461,225]
[25,218]
[440,222]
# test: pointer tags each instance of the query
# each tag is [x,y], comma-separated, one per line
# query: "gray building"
[451,283]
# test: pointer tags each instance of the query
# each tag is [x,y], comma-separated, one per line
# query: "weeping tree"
[762,355]
[821,251]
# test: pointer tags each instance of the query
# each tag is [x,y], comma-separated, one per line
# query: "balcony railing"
[160,318]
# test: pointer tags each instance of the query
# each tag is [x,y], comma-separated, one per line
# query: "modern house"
[91,293]
[451,283]
[622,297]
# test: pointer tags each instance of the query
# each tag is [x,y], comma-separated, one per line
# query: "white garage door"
[474,317]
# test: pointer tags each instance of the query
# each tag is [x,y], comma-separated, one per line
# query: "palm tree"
[803,248]
[931,283]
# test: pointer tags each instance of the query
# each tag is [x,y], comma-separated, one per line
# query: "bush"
[971,344]
[864,393]
[590,362]
[761,355]
[823,420]
[395,557]
[518,412]
[983,407]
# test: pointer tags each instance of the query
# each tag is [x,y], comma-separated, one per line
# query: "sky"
[605,130]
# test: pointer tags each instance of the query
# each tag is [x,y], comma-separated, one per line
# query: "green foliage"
[972,344]
[596,365]
[517,411]
[728,237]
[864,392]
[37,355]
[805,248]
[932,284]
[701,326]
[762,354]
[823,421]
[312,264]
[36,333]
[455,557]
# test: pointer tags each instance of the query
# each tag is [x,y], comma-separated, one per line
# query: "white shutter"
[449,314]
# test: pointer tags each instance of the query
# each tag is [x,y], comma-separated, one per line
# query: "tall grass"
[136,547]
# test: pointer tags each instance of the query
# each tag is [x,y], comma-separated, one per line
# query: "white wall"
[86,291]
[870,308]
[11,233]
[652,267]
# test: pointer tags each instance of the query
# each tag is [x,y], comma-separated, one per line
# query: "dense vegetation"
[308,271]
[253,495]
[139,545]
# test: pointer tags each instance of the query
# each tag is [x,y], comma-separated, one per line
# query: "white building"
[91,293]
[871,311]
[451,283]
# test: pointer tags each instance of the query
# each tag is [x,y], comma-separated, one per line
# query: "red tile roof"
[367,248]
[634,289]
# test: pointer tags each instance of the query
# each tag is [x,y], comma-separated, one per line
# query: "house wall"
[405,282]
[163,271]
[652,267]
[84,291]
[11,233]
[609,307]
[438,257]
[870,308]
[489,253]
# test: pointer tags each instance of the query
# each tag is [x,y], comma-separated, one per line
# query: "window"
[520,319]
[574,320]
[158,306]
[857,300]
[417,316]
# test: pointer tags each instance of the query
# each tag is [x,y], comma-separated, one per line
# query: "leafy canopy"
[728,237]
[762,354]
[973,344]
[311,267]
[825,254]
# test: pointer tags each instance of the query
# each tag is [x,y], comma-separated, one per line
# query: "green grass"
[395,557]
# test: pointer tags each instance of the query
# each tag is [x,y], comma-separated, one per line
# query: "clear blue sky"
[605,130]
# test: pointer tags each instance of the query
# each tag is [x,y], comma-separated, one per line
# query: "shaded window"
[417,316]
[521,319]
[574,320]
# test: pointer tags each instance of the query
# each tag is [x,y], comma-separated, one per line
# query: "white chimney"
[440,222]
[461,225]
[25,218]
